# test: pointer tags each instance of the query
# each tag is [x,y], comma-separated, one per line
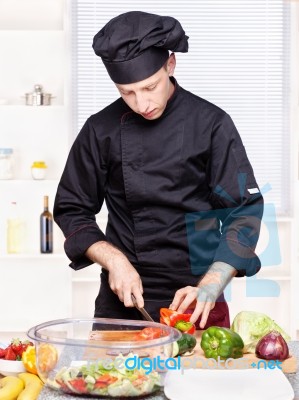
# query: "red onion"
[272,347]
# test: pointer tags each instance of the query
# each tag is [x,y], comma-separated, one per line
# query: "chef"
[184,208]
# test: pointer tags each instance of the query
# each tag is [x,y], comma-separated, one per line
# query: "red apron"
[219,316]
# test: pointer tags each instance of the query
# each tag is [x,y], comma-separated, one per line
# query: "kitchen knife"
[142,310]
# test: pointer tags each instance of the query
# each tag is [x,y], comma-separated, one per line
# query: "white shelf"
[30,31]
[270,277]
[28,181]
[274,278]
[284,219]
[16,107]
[86,280]
[28,256]
[278,218]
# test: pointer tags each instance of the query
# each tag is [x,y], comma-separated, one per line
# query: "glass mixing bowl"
[103,357]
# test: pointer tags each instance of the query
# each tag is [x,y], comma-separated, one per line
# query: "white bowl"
[11,368]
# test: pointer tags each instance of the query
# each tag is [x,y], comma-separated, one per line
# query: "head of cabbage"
[252,326]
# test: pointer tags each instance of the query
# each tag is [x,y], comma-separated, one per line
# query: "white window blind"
[238,59]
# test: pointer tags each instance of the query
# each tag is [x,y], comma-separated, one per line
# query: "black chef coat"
[158,179]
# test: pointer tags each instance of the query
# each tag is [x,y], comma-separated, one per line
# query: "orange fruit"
[29,359]
[47,357]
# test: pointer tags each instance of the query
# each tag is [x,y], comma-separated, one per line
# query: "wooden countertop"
[249,360]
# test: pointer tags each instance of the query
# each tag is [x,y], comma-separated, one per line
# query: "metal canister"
[38,97]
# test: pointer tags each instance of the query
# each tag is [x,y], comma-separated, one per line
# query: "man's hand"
[123,277]
[203,297]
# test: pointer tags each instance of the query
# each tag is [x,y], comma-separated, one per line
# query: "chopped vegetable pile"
[112,379]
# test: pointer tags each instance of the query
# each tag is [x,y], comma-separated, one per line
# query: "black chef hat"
[135,45]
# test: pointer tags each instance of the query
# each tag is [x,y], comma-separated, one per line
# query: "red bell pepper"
[177,320]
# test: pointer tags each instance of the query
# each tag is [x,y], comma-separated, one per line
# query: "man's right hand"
[123,277]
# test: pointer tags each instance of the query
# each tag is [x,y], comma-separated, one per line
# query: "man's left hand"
[202,298]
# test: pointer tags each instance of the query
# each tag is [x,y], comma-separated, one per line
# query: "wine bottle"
[46,228]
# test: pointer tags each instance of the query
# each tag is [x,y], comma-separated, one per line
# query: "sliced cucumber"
[185,344]
[175,349]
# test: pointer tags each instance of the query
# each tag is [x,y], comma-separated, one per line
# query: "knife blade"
[142,310]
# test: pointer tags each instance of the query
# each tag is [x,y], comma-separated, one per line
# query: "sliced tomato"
[79,385]
[150,333]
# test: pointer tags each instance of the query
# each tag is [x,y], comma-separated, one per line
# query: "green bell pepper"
[221,342]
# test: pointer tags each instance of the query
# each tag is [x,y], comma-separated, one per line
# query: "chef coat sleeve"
[80,196]
[236,198]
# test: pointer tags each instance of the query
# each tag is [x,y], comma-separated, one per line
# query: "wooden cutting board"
[249,360]
[196,360]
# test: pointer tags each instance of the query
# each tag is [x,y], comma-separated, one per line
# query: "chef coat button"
[134,167]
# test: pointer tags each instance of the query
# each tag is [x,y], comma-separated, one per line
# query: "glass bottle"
[46,228]
[6,163]
[15,230]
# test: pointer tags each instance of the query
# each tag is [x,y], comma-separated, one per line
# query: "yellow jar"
[38,170]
